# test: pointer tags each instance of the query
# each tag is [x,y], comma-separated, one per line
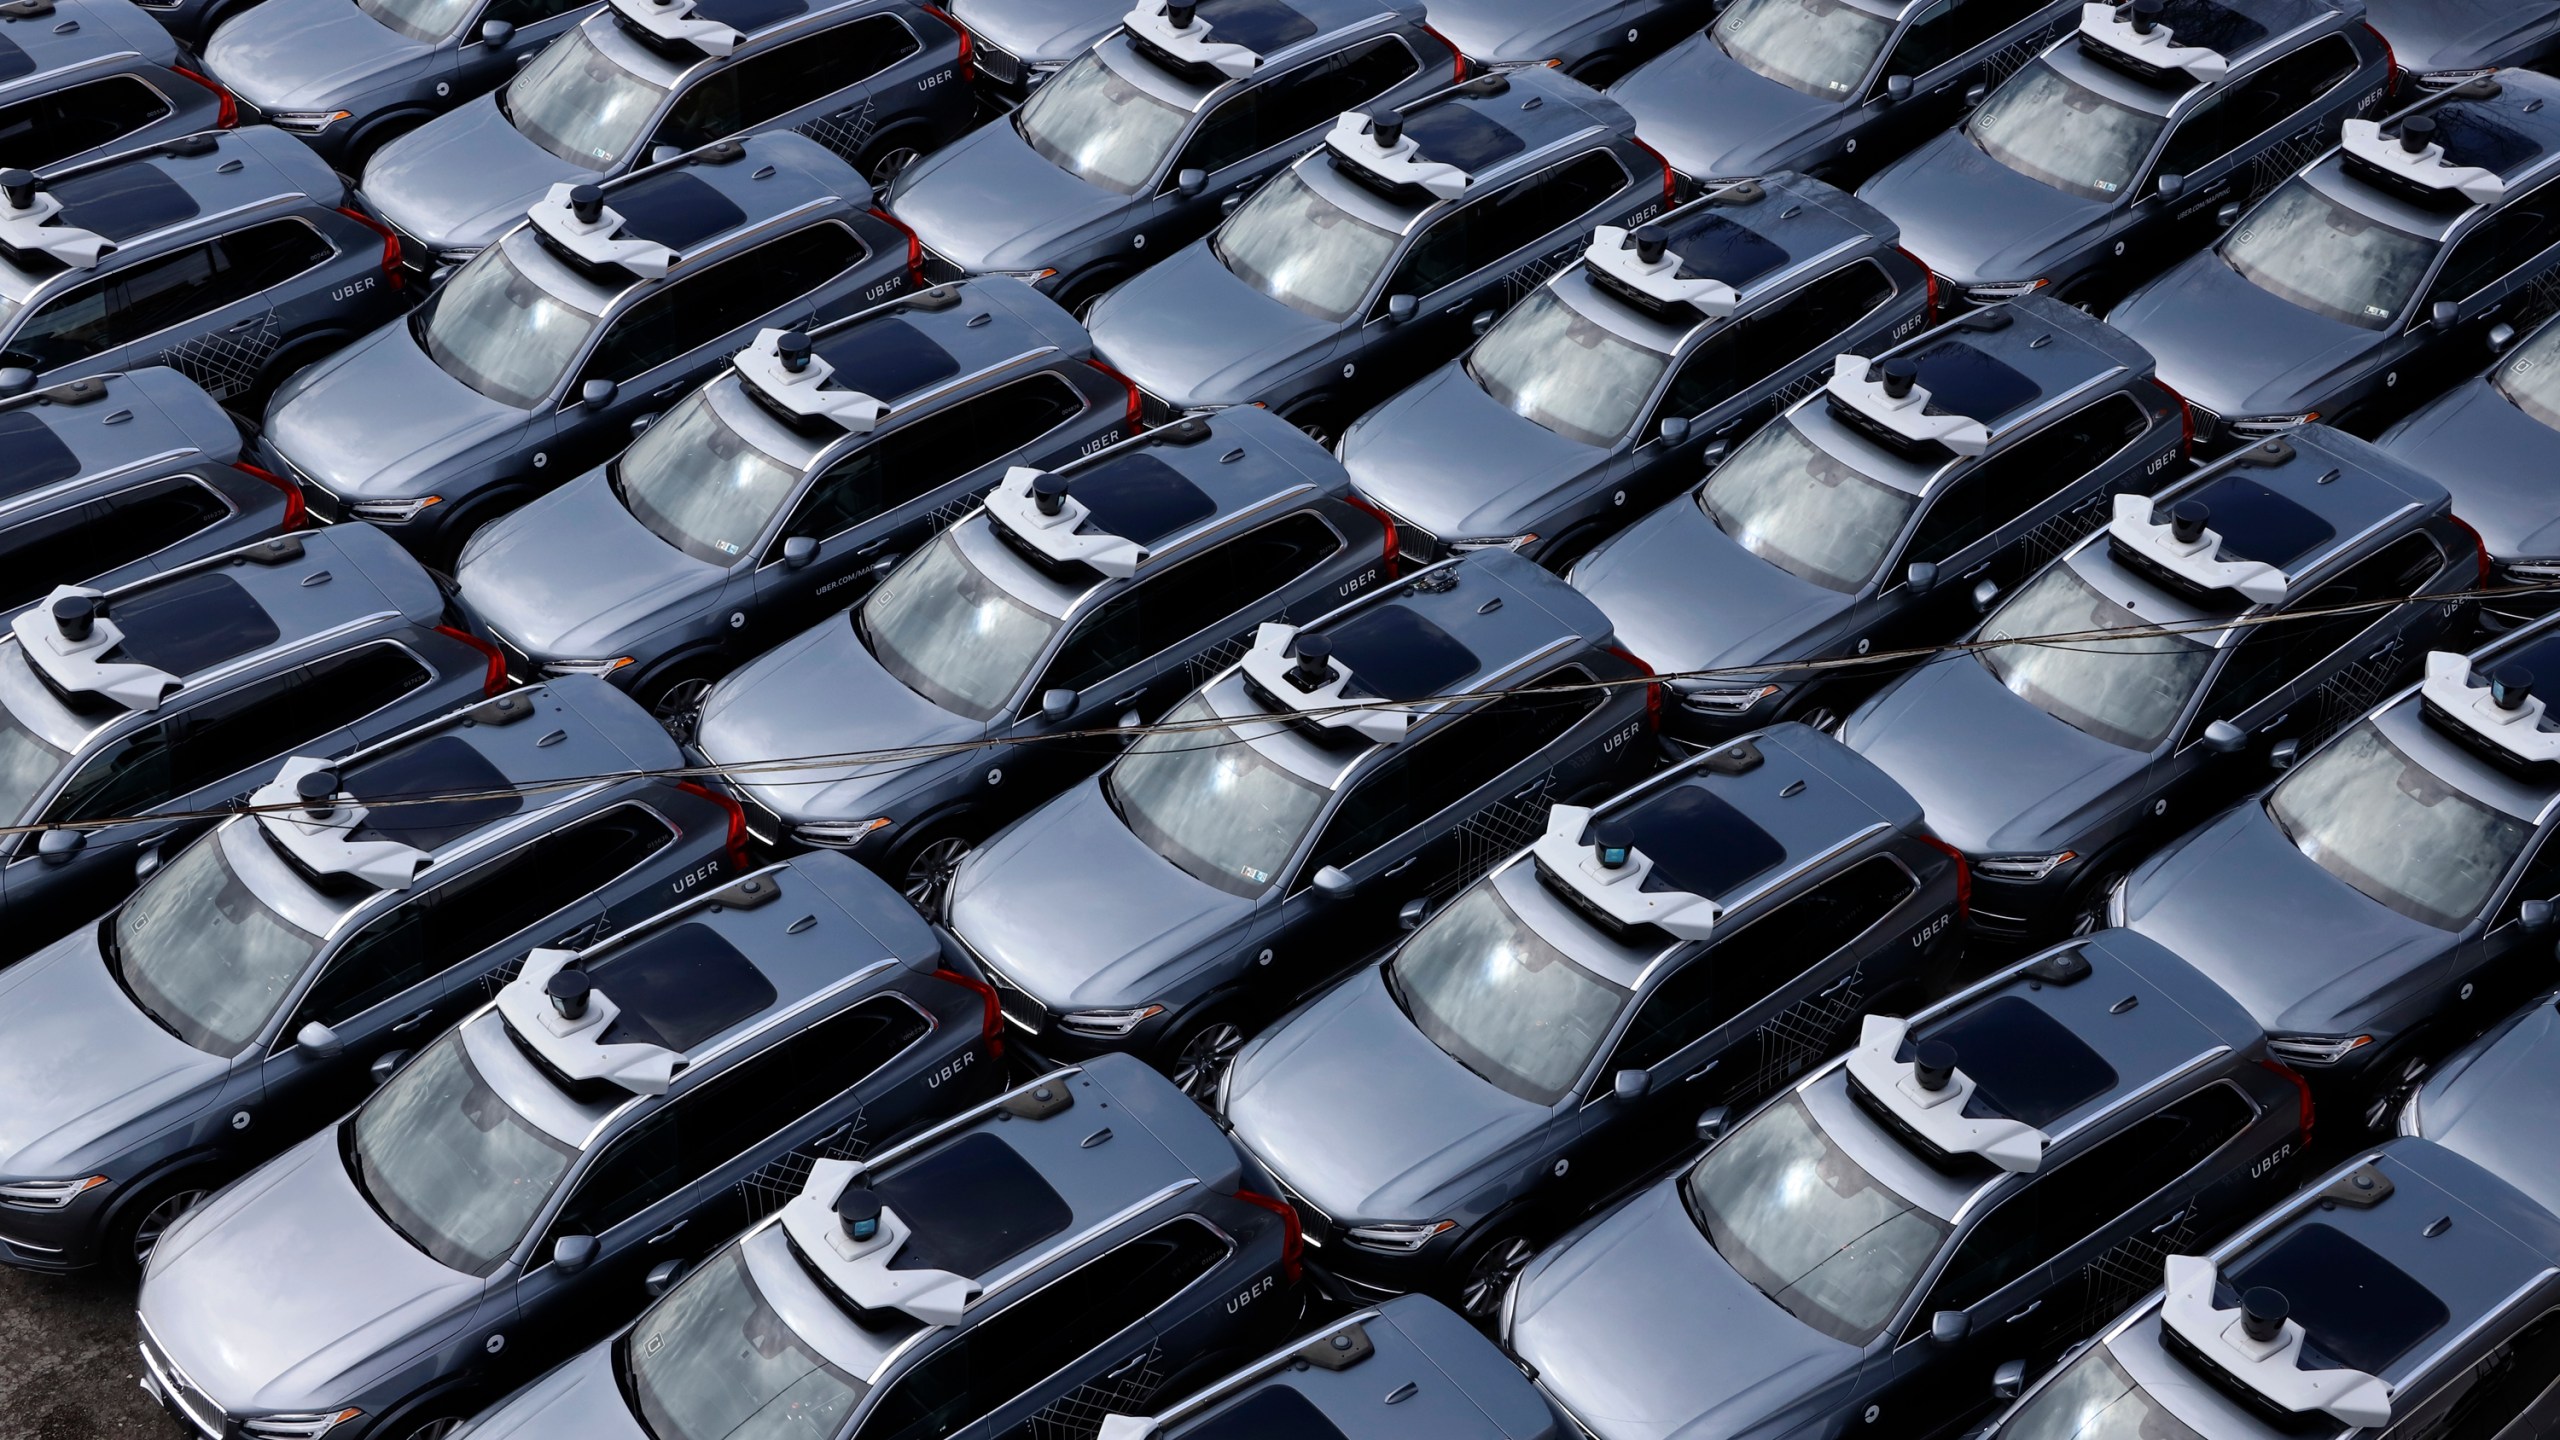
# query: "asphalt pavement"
[67,1362]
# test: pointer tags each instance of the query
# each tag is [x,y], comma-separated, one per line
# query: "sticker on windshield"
[1258,877]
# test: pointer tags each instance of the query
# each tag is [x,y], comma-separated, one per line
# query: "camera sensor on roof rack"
[567,1029]
[673,20]
[27,217]
[2259,1346]
[2499,714]
[1929,1094]
[782,368]
[1380,147]
[1613,877]
[575,218]
[1037,508]
[69,638]
[852,1239]
[1890,397]
[1641,262]
[2134,31]
[1300,671]
[2188,548]
[2414,158]
[1175,27]
[309,814]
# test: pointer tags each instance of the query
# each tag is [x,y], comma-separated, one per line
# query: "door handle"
[244,324]
[1126,1366]
[1400,866]
[2175,1218]
[1836,986]
[1132,697]
[1701,1070]
[2032,1307]
[414,1021]
[670,1232]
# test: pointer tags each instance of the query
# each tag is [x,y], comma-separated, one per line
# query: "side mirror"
[1974,94]
[1713,1122]
[2009,1379]
[2228,215]
[1057,705]
[661,154]
[1714,451]
[1331,883]
[2283,753]
[2501,335]
[2224,738]
[1413,912]
[1897,88]
[573,1253]
[146,864]
[1630,1085]
[2445,314]
[1190,182]
[385,1066]
[494,33]
[798,551]
[1480,323]
[16,380]
[640,424]
[1983,594]
[1401,308]
[1921,576]
[663,1277]
[58,846]
[2534,916]
[597,393]
[320,1040]
[2170,186]
[1946,1327]
[1674,429]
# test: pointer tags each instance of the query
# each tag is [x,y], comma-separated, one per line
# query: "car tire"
[675,694]
[2388,1086]
[888,156]
[1077,296]
[1483,1272]
[1318,417]
[136,1230]
[1197,1055]
[921,865]
[378,134]
[2085,913]
[1600,70]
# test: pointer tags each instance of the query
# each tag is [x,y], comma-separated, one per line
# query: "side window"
[2271,657]
[2509,1384]
[708,111]
[1714,372]
[269,254]
[521,13]
[1160,612]
[808,70]
[1949,28]
[2275,94]
[2521,229]
[1806,322]
[1483,231]
[70,326]
[39,131]
[2200,139]
[917,459]
[681,318]
[102,536]
[1281,109]
[1680,1010]
[2540,881]
[2008,485]
[470,914]
[346,688]
[171,291]
[248,727]
[376,963]
[125,777]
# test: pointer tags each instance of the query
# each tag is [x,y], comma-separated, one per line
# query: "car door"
[2245,140]
[816,83]
[96,541]
[2500,270]
[1952,53]
[2156,1195]
[902,486]
[210,312]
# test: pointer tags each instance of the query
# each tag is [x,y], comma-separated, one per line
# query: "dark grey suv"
[84,78]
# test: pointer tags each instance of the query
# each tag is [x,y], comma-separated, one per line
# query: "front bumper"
[195,1411]
[1036,1025]
[55,1241]
[1362,1275]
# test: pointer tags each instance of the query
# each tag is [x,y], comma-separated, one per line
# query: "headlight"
[457,254]
[301,1425]
[2316,1049]
[2000,290]
[304,122]
[1027,277]
[2259,427]
[1726,699]
[47,1194]
[2023,868]
[837,834]
[392,512]
[1108,1024]
[585,667]
[1494,542]
[2533,571]
[2447,79]
[1402,1239]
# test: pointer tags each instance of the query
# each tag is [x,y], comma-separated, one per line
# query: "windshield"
[2049,127]
[1549,364]
[949,633]
[2126,690]
[420,19]
[2388,826]
[2094,1399]
[27,766]
[1203,798]
[201,954]
[1500,999]
[698,485]
[449,1164]
[712,1361]
[1303,250]
[576,103]
[2530,378]
[1810,1229]
[2304,247]
[493,329]
[1098,127]
[1795,505]
[1821,47]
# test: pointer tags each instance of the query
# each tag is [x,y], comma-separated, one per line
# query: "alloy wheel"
[1492,1273]
[156,1221]
[1203,1059]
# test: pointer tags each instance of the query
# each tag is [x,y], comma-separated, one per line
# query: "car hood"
[2233,348]
[1305,1100]
[1683,595]
[1713,117]
[1599,1316]
[1505,32]
[821,693]
[1080,913]
[460,180]
[2491,1104]
[1040,29]
[308,54]
[572,574]
[987,201]
[1975,220]
[1994,773]
[2458,34]
[78,1062]
[1149,329]
[2490,455]
[416,418]
[282,1287]
[2300,949]
[1453,460]
[579,1400]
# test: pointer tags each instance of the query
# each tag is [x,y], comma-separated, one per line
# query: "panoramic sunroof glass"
[973,1205]
[1277,1412]
[2357,1310]
[192,624]
[2256,523]
[1140,498]
[1717,247]
[676,210]
[885,359]
[679,988]
[446,765]
[2023,1063]
[31,455]
[1394,653]
[122,201]
[1962,380]
[1699,843]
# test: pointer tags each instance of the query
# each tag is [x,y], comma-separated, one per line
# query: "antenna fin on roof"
[860,1267]
[2271,1366]
[69,636]
[1937,1114]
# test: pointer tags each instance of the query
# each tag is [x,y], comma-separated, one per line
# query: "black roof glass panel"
[123,201]
[31,455]
[2256,523]
[2470,136]
[1140,498]
[1962,380]
[445,765]
[1719,248]
[749,16]
[676,210]
[1462,135]
[1260,26]
[15,62]
[192,624]
[2023,1063]
[679,988]
[2357,1310]
[1699,843]
[886,359]
[973,1204]
[1276,1412]
[2211,26]
[1394,653]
